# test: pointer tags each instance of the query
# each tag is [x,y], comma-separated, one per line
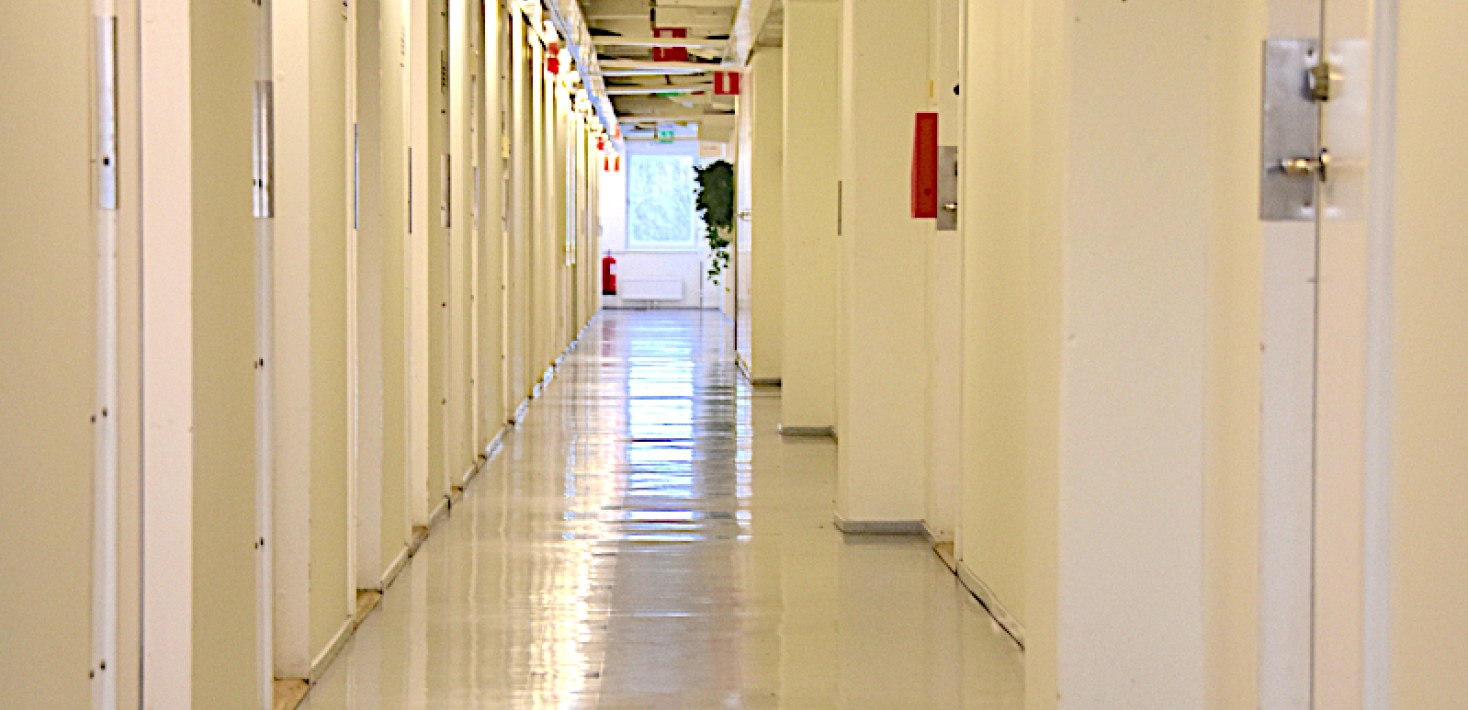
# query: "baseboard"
[986,596]
[810,431]
[420,536]
[398,563]
[879,527]
[749,375]
[495,444]
[491,450]
[289,692]
[440,511]
[942,547]
[367,601]
[946,553]
[934,537]
[334,647]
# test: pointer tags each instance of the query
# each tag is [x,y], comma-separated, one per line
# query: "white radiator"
[651,289]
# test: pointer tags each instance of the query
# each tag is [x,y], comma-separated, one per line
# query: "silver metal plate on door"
[107,173]
[947,188]
[1291,130]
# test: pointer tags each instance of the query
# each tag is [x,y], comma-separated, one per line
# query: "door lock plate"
[1291,129]
[947,188]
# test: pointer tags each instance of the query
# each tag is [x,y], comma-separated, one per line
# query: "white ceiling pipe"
[654,90]
[665,117]
[726,5]
[658,42]
[644,64]
[644,137]
[656,72]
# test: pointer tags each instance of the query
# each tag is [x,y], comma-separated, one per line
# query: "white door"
[1317,406]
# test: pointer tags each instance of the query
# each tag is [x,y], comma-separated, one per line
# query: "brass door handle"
[1308,166]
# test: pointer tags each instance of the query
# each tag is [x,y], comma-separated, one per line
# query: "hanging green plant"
[716,207]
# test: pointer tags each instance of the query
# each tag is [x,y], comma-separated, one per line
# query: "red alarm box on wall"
[925,167]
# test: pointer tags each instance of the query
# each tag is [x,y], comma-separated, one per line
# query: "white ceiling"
[630,76]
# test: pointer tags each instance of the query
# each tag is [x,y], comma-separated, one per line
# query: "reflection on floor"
[647,540]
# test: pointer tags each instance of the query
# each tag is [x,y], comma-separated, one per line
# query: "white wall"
[1131,429]
[1428,536]
[742,247]
[690,266]
[883,262]
[224,288]
[188,384]
[167,392]
[765,278]
[395,512]
[1111,351]
[49,294]
[808,365]
[310,334]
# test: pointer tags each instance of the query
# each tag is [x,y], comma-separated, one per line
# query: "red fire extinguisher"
[609,275]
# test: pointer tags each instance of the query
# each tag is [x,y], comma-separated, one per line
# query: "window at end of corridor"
[660,202]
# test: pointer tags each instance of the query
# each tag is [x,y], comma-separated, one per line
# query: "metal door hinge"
[445,205]
[1292,155]
[264,162]
[840,206]
[1323,79]
[356,176]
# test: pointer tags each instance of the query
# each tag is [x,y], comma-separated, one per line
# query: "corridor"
[646,539]
[643,353]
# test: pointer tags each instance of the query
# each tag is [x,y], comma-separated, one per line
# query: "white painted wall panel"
[47,313]
[810,161]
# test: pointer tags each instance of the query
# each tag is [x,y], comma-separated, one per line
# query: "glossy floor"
[646,539]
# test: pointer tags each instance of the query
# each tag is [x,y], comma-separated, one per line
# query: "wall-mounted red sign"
[925,167]
[726,83]
[670,54]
